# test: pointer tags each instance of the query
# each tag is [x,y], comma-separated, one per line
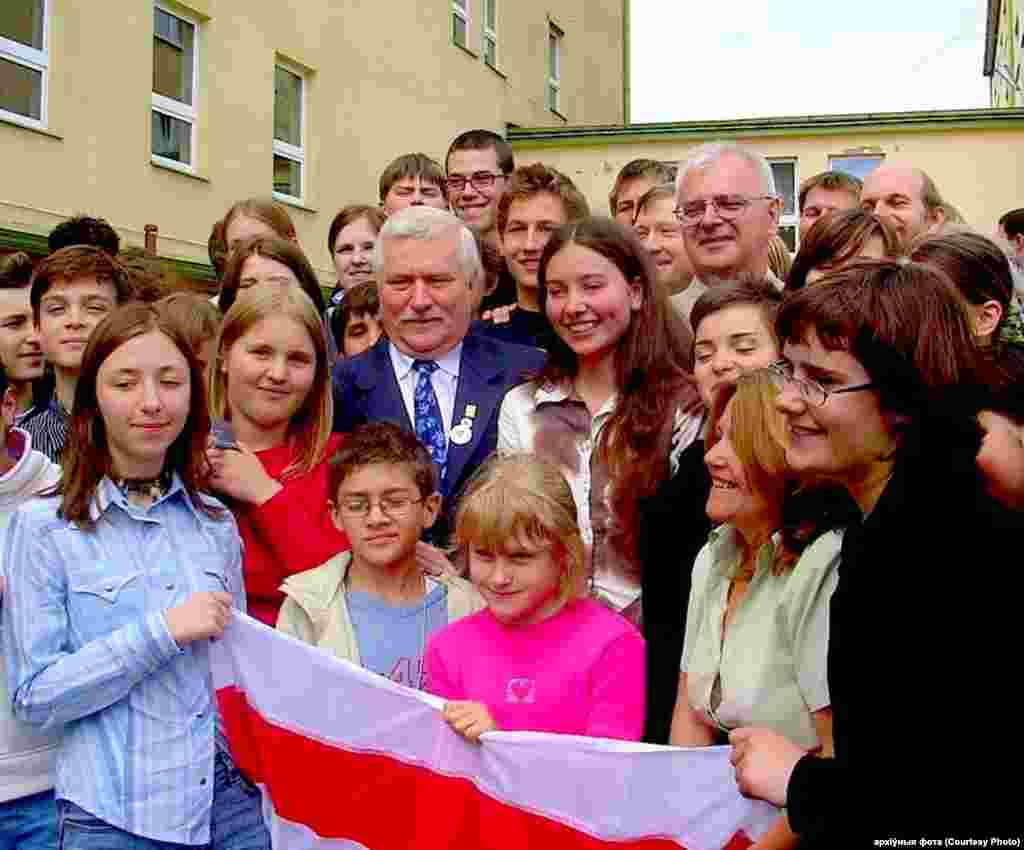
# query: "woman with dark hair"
[267,259]
[116,584]
[839,239]
[981,271]
[614,404]
[880,387]
[350,242]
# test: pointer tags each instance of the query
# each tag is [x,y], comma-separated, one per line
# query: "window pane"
[788,234]
[490,52]
[172,138]
[785,185]
[21,90]
[287,107]
[461,4]
[287,176]
[173,56]
[458,30]
[552,97]
[856,166]
[22,21]
[553,56]
[491,14]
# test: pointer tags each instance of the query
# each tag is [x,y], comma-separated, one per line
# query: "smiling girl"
[115,586]
[539,658]
[271,382]
[614,404]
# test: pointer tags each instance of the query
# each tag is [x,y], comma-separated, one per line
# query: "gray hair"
[711,152]
[429,223]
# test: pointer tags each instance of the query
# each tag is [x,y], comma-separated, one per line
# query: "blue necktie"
[429,424]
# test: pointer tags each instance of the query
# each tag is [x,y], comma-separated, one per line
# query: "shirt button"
[170,586]
[202,781]
[110,589]
[199,716]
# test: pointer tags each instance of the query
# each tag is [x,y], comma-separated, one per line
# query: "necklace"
[144,492]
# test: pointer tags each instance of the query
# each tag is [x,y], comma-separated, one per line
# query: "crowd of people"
[644,476]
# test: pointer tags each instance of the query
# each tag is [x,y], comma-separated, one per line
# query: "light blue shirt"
[87,646]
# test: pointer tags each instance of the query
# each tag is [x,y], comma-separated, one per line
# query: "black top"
[922,661]
[524,327]
[673,529]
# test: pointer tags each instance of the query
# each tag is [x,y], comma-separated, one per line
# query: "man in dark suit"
[430,373]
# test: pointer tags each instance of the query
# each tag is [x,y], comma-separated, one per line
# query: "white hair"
[711,152]
[429,223]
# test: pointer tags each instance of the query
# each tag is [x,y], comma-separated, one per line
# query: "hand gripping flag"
[348,759]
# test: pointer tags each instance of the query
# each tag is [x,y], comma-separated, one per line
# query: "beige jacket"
[315,609]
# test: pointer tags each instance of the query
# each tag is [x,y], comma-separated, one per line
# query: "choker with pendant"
[148,490]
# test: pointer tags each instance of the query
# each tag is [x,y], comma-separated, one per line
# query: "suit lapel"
[378,385]
[480,377]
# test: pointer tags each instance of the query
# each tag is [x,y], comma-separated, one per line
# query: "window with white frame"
[555,36]
[784,172]
[856,165]
[460,22]
[23,61]
[175,65]
[289,150]
[490,32]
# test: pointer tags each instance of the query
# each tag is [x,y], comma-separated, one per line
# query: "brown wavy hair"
[652,375]
[835,240]
[87,456]
[283,251]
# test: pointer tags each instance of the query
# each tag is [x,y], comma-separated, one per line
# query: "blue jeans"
[29,823]
[236,822]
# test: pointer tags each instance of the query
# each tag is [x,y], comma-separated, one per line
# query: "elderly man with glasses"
[727,205]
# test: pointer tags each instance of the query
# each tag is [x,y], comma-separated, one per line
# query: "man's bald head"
[907,197]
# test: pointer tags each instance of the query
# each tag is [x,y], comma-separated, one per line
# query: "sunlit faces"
[413,192]
[143,391]
[361,331]
[1001,458]
[476,205]
[662,235]
[732,499]
[426,302]
[21,356]
[725,248]
[386,534]
[848,439]
[728,342]
[821,202]
[68,312]
[242,228]
[270,370]
[589,303]
[872,249]
[896,194]
[353,253]
[520,582]
[531,223]
[631,191]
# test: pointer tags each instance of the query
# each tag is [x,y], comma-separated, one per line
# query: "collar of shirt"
[563,391]
[447,363]
[109,494]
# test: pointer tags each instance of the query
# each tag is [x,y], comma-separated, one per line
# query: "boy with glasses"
[478,165]
[373,605]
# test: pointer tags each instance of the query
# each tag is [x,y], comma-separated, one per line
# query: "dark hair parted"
[77,261]
[381,442]
[651,169]
[271,213]
[84,230]
[481,140]
[1012,223]
[87,455]
[977,266]
[838,239]
[350,214]
[747,289]
[362,299]
[15,271]
[830,181]
[908,327]
[412,165]
[217,249]
[282,251]
[527,181]
[652,376]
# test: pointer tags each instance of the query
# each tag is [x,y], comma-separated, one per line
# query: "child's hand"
[469,719]
[239,474]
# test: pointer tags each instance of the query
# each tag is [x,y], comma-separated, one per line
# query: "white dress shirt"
[445,381]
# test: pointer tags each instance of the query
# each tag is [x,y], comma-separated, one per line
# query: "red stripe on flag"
[382,802]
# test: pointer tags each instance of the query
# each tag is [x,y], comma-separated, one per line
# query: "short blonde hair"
[513,495]
[310,427]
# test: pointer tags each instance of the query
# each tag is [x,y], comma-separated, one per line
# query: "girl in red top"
[272,383]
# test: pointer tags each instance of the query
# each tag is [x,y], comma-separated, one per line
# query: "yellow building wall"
[977,170]
[383,79]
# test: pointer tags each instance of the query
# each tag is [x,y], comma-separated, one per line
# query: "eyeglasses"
[479,179]
[728,207]
[394,507]
[781,375]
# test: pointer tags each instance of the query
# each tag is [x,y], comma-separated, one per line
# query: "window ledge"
[184,172]
[496,71]
[466,50]
[559,114]
[295,203]
[12,121]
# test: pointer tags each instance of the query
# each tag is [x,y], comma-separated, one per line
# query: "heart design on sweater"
[521,690]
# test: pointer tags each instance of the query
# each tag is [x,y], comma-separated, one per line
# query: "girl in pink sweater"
[539,657]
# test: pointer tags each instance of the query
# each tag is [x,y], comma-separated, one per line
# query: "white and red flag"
[348,759]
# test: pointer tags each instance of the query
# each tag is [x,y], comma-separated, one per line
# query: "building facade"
[165,113]
[973,155]
[1004,53]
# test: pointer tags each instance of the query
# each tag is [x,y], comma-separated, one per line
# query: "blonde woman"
[270,395]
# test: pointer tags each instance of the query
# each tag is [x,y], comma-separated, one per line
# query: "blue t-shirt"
[393,638]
